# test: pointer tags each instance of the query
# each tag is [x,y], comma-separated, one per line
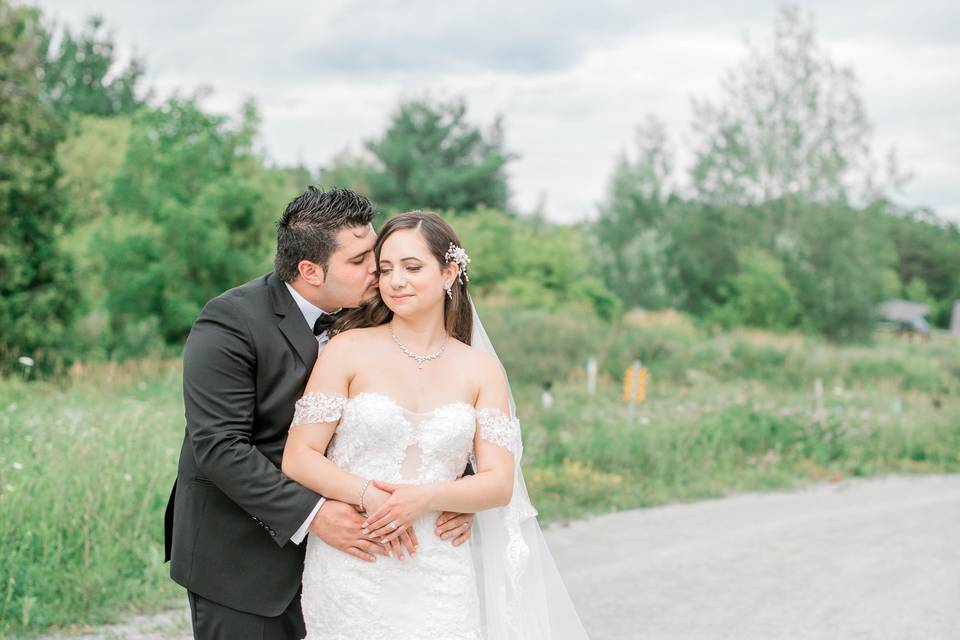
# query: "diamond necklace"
[420,359]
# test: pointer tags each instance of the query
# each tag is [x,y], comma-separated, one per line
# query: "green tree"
[191,218]
[838,262]
[928,252]
[631,245]
[81,75]
[36,286]
[431,157]
[759,295]
[790,125]
[348,171]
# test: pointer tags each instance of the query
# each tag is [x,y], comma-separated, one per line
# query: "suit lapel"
[291,322]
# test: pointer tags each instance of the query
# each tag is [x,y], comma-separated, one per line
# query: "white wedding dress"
[433,595]
[502,585]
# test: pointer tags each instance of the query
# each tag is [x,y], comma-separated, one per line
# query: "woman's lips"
[400,298]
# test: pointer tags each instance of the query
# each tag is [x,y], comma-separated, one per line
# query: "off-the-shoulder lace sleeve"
[500,429]
[318,407]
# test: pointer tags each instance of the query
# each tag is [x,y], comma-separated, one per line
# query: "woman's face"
[411,280]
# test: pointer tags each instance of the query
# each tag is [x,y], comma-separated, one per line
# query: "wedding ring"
[393,525]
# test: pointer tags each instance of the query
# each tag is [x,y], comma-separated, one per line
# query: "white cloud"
[571,79]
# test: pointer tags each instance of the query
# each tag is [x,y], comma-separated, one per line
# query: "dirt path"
[877,559]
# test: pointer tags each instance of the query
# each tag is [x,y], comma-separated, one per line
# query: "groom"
[235,525]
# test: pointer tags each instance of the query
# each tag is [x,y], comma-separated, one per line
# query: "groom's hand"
[338,524]
[454,525]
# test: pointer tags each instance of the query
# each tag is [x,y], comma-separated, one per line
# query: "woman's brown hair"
[438,234]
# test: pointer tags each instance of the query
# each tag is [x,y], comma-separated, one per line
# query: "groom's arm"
[219,394]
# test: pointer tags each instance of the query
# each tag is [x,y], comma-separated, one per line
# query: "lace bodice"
[378,438]
[433,595]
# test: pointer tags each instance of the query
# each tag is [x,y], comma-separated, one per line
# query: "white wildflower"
[17,466]
[26,361]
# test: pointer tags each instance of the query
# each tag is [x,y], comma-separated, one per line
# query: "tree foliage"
[82,75]
[190,217]
[431,157]
[631,245]
[791,124]
[36,284]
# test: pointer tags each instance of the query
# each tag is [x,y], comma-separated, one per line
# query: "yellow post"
[635,386]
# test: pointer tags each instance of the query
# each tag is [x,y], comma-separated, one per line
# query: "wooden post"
[819,413]
[592,375]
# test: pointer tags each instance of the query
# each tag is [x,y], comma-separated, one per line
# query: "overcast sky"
[571,79]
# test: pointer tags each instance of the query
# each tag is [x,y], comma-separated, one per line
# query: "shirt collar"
[309,310]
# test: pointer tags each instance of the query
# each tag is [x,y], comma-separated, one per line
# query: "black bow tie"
[323,323]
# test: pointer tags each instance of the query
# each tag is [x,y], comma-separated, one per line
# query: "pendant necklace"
[420,359]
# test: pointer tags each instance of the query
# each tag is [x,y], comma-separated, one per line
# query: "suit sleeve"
[219,394]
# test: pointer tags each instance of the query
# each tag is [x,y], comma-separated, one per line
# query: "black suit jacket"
[231,512]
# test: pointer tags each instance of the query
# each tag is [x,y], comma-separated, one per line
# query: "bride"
[401,399]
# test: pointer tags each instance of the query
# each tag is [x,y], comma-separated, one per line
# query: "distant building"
[904,317]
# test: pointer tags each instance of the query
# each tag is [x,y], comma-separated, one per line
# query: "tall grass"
[86,462]
[86,465]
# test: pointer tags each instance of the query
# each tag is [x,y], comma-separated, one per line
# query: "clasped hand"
[397,513]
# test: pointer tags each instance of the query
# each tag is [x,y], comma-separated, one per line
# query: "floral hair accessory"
[458,255]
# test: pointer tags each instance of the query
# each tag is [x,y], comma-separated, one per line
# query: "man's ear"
[311,273]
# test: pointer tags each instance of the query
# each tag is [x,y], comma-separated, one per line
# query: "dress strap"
[500,429]
[316,407]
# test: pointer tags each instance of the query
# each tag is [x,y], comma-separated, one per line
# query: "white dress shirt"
[310,313]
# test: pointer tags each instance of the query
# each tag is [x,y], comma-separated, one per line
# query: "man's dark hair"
[308,228]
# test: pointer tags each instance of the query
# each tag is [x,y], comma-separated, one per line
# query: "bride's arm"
[318,414]
[490,487]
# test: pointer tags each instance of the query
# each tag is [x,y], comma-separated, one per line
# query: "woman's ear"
[450,273]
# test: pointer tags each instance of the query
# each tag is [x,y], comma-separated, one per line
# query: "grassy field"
[86,463]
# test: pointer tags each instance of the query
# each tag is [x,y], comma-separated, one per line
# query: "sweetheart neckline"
[404,409]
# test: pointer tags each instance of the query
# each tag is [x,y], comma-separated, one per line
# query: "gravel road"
[877,559]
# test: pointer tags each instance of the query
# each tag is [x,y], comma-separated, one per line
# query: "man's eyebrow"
[361,254]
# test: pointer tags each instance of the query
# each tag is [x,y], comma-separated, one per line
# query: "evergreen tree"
[430,157]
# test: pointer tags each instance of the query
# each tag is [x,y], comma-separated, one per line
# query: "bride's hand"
[406,503]
[375,498]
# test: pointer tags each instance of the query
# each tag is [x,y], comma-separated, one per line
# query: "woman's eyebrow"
[402,259]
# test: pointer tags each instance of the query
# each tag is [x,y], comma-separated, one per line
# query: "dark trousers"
[212,621]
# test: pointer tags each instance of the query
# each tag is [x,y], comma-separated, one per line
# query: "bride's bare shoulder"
[487,366]
[352,341]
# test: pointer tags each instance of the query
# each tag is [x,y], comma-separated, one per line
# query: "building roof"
[902,310]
